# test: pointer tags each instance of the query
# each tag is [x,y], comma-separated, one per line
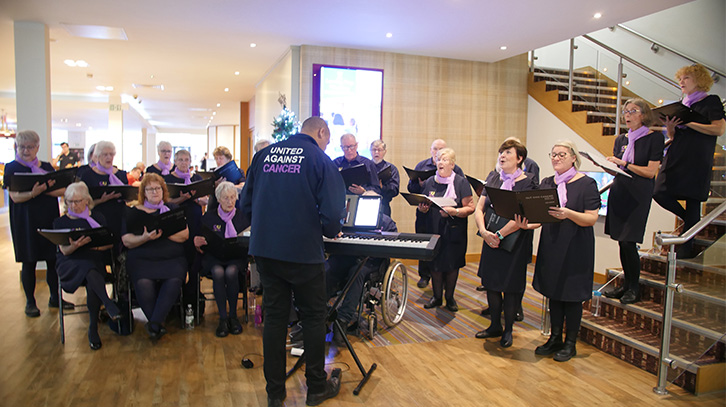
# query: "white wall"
[543,130]
[278,80]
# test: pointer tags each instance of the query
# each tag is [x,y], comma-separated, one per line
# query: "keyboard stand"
[331,317]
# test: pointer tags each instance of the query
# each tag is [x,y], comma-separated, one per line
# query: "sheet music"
[605,164]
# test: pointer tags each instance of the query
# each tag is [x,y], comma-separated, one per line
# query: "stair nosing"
[690,293]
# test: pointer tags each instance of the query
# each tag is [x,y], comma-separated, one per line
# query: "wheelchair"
[386,288]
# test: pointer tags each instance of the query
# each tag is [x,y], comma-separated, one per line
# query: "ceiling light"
[219,104]
[64,120]
[604,69]
[627,83]
[90,127]
[597,15]
[78,124]
[236,73]
[214,113]
[660,101]
[503,47]
[104,88]
[389,35]
[226,89]
[98,32]
[70,62]
[252,45]
[152,76]
[81,63]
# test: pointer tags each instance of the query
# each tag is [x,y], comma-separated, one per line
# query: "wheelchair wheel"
[372,325]
[395,292]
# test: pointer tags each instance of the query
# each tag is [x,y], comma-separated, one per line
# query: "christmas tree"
[284,124]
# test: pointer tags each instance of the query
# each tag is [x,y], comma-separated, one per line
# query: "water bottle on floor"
[189,317]
[595,303]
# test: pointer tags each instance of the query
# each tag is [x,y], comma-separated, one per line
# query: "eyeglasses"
[153,189]
[165,151]
[634,111]
[351,147]
[75,201]
[377,150]
[27,147]
[561,155]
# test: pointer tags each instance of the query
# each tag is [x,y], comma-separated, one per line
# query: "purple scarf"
[186,176]
[561,182]
[229,230]
[86,214]
[633,136]
[449,181]
[93,164]
[112,178]
[508,179]
[160,206]
[694,97]
[165,168]
[34,165]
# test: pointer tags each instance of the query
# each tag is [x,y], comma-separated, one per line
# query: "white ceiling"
[193,47]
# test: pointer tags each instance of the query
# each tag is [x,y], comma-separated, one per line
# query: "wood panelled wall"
[474,106]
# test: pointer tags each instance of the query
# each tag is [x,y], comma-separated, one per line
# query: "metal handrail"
[663,239]
[634,62]
[671,50]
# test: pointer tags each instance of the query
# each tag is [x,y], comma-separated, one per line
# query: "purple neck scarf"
[449,181]
[34,165]
[561,182]
[160,206]
[112,178]
[508,179]
[186,176]
[93,164]
[86,214]
[229,230]
[633,136]
[165,168]
[694,97]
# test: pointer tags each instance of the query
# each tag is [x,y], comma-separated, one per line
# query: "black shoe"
[552,345]
[567,351]
[616,293]
[433,302]
[235,327]
[66,305]
[332,387]
[485,312]
[32,311]
[93,340]
[630,297]
[222,328]
[451,305]
[95,345]
[489,333]
[276,401]
[154,330]
[519,316]
[423,282]
[506,340]
[481,288]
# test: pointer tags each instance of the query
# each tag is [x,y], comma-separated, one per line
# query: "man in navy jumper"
[389,186]
[294,195]
[351,158]
[415,187]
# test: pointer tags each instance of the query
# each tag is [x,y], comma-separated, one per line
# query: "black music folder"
[416,175]
[169,222]
[440,201]
[229,172]
[206,174]
[476,184]
[128,192]
[201,188]
[358,175]
[224,249]
[101,236]
[681,111]
[532,204]
[24,181]
[386,173]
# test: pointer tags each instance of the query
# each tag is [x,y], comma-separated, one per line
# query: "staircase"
[632,332]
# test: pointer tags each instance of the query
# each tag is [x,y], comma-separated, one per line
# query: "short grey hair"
[261,144]
[223,187]
[77,189]
[29,136]
[103,145]
[181,152]
[163,144]
[377,143]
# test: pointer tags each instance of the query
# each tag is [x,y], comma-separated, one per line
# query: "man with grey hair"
[387,174]
[351,158]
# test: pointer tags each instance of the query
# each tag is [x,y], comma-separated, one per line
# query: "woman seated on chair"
[226,222]
[156,264]
[78,264]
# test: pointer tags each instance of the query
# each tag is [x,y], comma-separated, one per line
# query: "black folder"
[24,181]
[386,173]
[230,172]
[476,184]
[532,204]
[128,192]
[100,236]
[169,222]
[415,199]
[681,111]
[224,249]
[416,175]
[201,188]
[358,175]
[206,174]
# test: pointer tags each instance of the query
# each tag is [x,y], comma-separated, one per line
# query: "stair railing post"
[664,358]
[531,61]
[545,326]
[618,105]
[571,79]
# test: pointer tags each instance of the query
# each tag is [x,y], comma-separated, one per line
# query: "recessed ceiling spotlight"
[236,73]
[78,124]
[604,69]
[503,47]
[226,89]
[252,45]
[80,63]
[219,104]
[64,120]
[660,101]
[152,76]
[627,83]
[90,127]
[389,35]
[597,15]
[214,113]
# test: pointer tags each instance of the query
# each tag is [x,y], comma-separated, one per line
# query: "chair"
[387,288]
[209,295]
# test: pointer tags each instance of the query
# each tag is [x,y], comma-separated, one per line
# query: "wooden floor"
[194,368]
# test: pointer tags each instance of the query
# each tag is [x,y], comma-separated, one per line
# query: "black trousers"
[281,280]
